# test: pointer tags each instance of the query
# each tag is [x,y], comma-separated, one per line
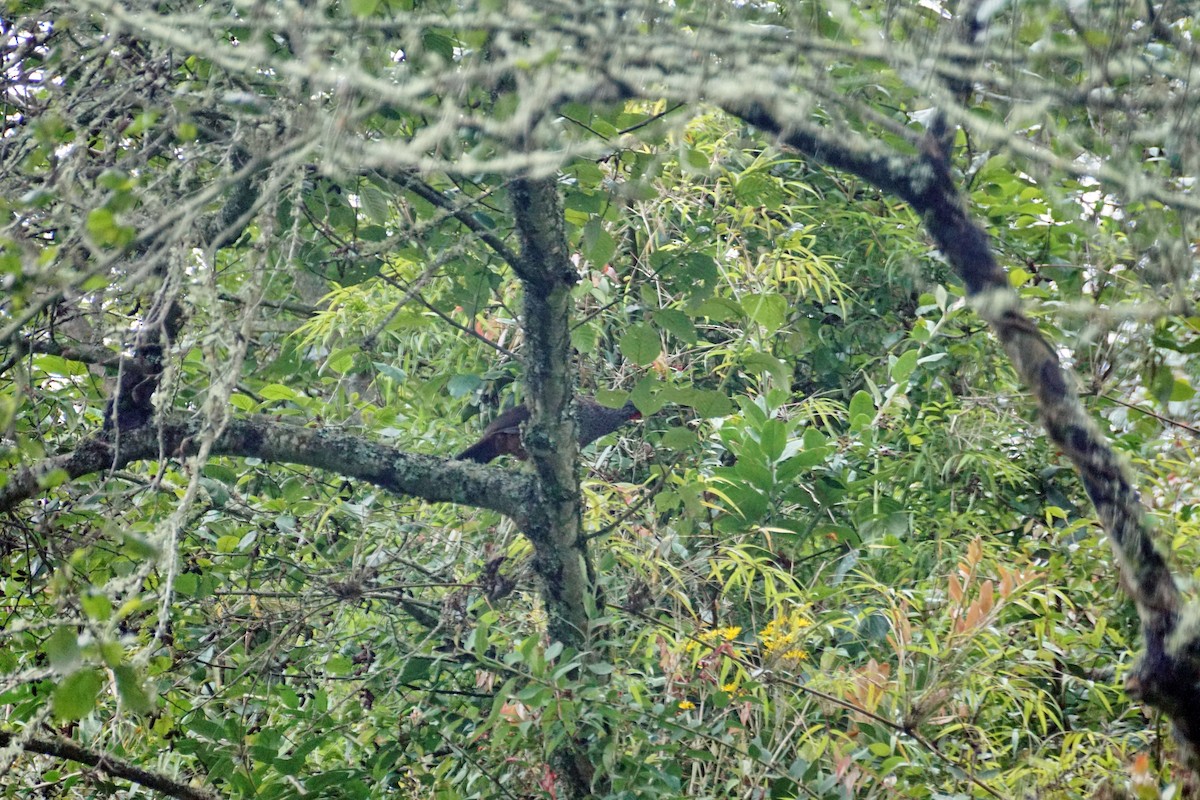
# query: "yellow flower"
[713,636]
[684,705]
[782,635]
[717,634]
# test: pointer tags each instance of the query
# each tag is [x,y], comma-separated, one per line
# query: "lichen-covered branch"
[68,750]
[553,522]
[426,477]
[547,276]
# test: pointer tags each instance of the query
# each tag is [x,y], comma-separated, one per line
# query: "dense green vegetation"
[267,266]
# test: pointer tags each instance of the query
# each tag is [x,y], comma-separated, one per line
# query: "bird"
[503,435]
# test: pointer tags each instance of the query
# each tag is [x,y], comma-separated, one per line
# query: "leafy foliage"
[838,559]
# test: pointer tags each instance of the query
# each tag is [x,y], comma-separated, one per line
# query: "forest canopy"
[846,349]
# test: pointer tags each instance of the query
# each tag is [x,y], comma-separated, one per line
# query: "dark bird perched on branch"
[503,436]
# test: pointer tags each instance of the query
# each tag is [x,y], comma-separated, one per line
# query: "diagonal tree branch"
[66,749]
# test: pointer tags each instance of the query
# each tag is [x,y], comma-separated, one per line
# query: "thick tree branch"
[427,477]
[111,765]
[83,353]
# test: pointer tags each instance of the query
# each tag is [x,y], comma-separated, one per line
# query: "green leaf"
[773,437]
[242,402]
[141,123]
[55,477]
[75,696]
[462,385]
[696,159]
[1182,390]
[187,584]
[392,372]
[598,244]
[585,337]
[861,405]
[111,653]
[698,275]
[768,309]
[228,544]
[277,391]
[115,179]
[102,226]
[132,691]
[758,363]
[758,189]
[96,605]
[62,649]
[679,438]
[710,403]
[342,361]
[903,366]
[477,640]
[720,309]
[338,664]
[611,398]
[587,173]
[677,324]
[640,344]
[56,365]
[650,395]
[375,204]
[805,459]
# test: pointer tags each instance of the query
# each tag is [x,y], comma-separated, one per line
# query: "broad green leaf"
[375,204]
[96,605]
[677,324]
[55,477]
[768,310]
[75,695]
[364,7]
[57,365]
[132,690]
[720,309]
[861,405]
[760,362]
[773,437]
[276,391]
[903,366]
[62,649]
[710,403]
[342,361]
[463,385]
[585,337]
[640,344]
[598,244]
[678,438]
